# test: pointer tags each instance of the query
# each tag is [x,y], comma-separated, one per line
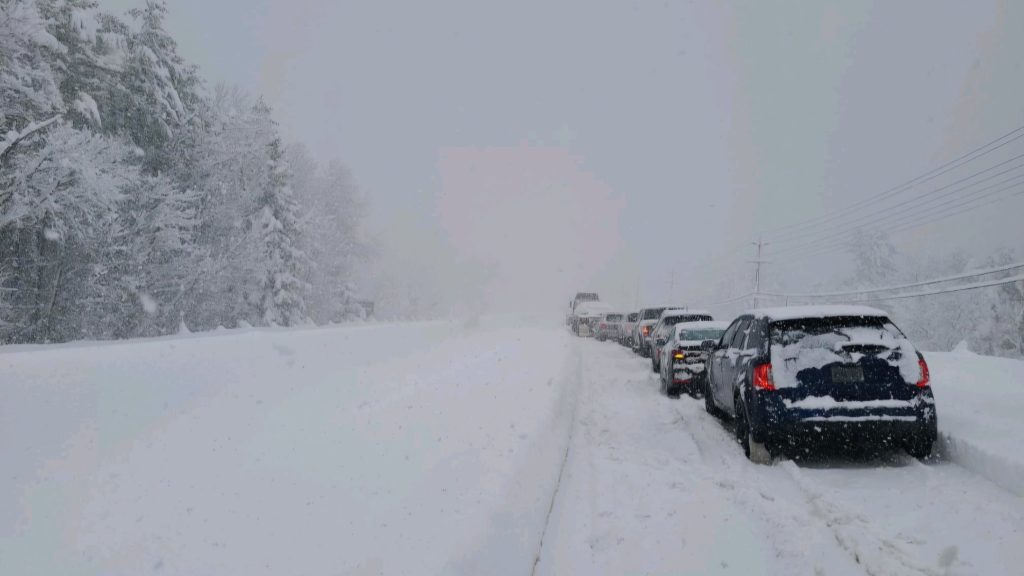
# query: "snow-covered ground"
[435,448]
[374,449]
[656,486]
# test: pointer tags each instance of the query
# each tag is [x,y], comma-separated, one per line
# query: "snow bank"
[980,402]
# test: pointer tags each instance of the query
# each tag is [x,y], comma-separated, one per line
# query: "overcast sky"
[543,147]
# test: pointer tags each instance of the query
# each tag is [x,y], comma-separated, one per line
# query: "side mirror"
[708,345]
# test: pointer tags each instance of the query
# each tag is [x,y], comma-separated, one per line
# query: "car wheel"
[920,448]
[694,390]
[709,400]
[756,452]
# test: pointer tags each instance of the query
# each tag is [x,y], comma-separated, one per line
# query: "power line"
[730,301]
[961,160]
[931,215]
[887,224]
[920,197]
[961,276]
[1001,281]
[952,290]
[928,210]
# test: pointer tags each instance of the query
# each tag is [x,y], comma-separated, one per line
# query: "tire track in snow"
[779,515]
[574,398]
[853,531]
[875,553]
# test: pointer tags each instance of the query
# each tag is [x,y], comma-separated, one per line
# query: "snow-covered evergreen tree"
[58,205]
[132,202]
[276,223]
[28,85]
[331,211]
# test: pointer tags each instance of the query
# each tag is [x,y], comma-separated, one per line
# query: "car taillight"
[926,377]
[763,377]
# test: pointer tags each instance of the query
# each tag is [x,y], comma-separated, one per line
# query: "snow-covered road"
[434,448]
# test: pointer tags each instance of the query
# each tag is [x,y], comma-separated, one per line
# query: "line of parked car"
[792,378]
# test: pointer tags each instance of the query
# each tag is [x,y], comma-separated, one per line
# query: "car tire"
[709,401]
[920,448]
[693,391]
[756,452]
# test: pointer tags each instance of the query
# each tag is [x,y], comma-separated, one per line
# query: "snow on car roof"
[593,308]
[703,325]
[683,312]
[829,311]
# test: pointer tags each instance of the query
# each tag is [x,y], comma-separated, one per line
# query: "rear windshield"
[828,332]
[632,317]
[653,313]
[701,334]
[614,317]
[586,297]
[798,345]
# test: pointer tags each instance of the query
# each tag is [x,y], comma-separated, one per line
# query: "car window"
[700,334]
[741,334]
[826,332]
[653,313]
[729,333]
[755,336]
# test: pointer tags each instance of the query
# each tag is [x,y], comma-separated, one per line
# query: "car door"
[730,364]
[720,387]
[749,350]
[665,357]
[661,336]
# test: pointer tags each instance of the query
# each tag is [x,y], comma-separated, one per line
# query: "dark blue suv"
[830,374]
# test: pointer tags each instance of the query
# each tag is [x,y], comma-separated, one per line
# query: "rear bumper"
[772,421]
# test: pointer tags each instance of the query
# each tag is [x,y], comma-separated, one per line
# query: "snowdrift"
[980,402]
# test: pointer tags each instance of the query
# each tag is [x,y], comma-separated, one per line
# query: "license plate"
[847,374]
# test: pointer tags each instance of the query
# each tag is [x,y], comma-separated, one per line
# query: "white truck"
[584,309]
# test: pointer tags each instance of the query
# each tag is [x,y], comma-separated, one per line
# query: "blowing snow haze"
[536,287]
[607,124]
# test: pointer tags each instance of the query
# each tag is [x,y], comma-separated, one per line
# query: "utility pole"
[757,269]
[672,288]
